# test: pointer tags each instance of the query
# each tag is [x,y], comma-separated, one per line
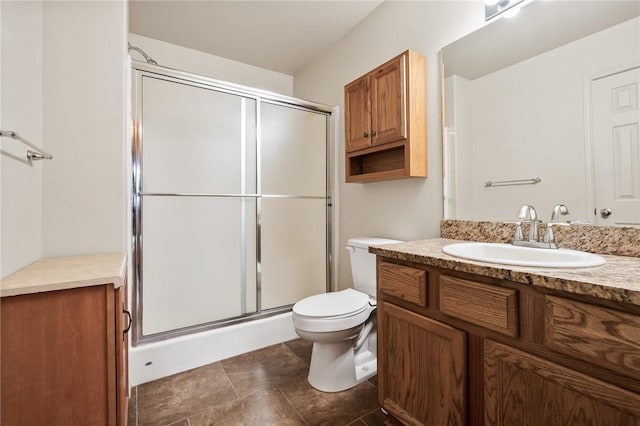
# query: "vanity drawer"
[604,336]
[492,307]
[403,282]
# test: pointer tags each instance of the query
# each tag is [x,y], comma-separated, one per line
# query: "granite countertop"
[61,273]
[617,280]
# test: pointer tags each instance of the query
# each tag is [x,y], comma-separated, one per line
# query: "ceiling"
[282,36]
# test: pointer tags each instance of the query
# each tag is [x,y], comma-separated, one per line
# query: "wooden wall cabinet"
[483,351]
[64,357]
[385,121]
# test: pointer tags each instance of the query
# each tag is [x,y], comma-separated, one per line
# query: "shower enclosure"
[231,202]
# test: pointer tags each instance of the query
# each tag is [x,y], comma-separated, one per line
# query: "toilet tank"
[363,263]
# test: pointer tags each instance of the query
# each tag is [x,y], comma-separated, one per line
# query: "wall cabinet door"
[521,389]
[375,106]
[357,104]
[388,104]
[421,368]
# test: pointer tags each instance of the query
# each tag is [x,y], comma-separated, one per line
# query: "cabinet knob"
[366,134]
[373,133]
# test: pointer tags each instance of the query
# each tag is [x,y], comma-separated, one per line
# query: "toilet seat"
[334,304]
[334,311]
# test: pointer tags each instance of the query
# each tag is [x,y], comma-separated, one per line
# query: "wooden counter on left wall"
[64,347]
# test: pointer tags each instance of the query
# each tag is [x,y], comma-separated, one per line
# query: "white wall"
[403,209]
[528,120]
[63,81]
[84,57]
[21,111]
[196,62]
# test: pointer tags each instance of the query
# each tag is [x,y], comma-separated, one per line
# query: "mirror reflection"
[542,109]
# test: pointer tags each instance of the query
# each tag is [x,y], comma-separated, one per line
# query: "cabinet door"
[58,358]
[122,322]
[388,102]
[357,114]
[421,368]
[521,389]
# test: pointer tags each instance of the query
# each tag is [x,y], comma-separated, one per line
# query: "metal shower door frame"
[139,70]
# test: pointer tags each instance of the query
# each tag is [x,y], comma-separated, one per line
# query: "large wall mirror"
[542,109]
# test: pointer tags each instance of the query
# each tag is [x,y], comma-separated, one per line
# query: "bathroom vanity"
[64,344]
[465,342]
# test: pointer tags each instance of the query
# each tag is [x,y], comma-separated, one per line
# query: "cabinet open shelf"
[378,165]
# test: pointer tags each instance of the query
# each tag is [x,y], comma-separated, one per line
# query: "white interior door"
[616,150]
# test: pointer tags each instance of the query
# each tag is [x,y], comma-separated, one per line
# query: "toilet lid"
[339,303]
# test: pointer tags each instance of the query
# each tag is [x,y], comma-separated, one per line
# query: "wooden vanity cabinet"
[482,351]
[422,368]
[64,357]
[385,121]
[523,389]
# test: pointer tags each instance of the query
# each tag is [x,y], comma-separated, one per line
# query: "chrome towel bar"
[31,155]
[531,181]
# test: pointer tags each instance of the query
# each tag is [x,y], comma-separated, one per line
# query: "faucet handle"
[549,237]
[519,236]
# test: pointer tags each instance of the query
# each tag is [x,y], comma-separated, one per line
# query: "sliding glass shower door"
[293,206]
[230,203]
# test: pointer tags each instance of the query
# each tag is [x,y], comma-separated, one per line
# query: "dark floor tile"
[378,418]
[132,409]
[374,380]
[357,422]
[322,408]
[302,348]
[262,408]
[261,369]
[176,397]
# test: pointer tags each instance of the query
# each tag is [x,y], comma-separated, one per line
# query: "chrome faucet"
[549,237]
[558,209]
[528,214]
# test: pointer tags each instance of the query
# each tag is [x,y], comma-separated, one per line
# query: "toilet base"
[335,367]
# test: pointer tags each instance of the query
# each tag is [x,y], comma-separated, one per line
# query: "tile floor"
[261,388]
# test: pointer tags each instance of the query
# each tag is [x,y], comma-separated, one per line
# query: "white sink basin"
[508,254]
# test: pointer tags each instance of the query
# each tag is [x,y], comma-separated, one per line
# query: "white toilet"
[342,325]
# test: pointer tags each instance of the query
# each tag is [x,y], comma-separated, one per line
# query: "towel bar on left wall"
[33,154]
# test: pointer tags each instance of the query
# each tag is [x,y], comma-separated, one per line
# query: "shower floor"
[264,387]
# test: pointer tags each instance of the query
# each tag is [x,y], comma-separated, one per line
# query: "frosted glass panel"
[294,250]
[194,264]
[196,140]
[293,151]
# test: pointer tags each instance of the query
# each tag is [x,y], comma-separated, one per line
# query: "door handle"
[605,212]
[128,314]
